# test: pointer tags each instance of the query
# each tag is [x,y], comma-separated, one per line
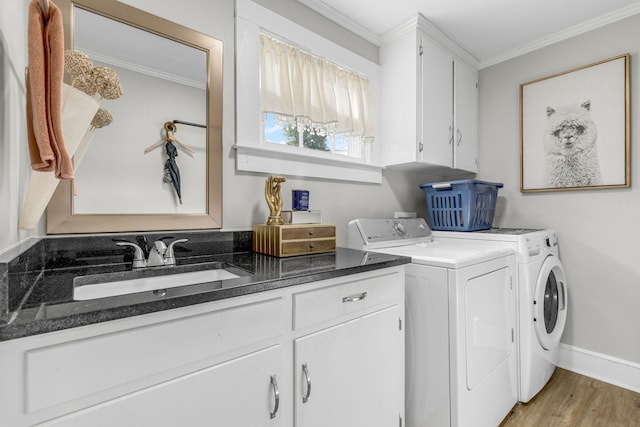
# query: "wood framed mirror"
[169,73]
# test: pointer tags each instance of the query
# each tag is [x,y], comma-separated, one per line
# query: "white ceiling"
[490,30]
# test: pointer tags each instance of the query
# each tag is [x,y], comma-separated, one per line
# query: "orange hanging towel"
[44,92]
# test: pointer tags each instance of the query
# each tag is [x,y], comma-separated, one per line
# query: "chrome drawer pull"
[276,394]
[305,371]
[354,298]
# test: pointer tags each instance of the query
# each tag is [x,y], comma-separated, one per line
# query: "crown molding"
[568,33]
[344,21]
[142,69]
[348,23]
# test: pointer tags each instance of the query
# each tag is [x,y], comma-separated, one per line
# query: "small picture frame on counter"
[300,200]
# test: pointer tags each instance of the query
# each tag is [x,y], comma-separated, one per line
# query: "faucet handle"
[138,254]
[170,258]
[160,246]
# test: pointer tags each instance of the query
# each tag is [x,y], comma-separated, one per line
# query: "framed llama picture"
[575,129]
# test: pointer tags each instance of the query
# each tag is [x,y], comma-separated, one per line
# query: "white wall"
[14,163]
[598,229]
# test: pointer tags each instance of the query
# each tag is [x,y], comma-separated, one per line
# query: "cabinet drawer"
[68,371]
[308,247]
[308,232]
[320,305]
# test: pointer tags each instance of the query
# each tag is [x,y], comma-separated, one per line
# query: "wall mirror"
[169,74]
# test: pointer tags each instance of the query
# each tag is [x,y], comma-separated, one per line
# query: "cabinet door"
[351,374]
[436,99]
[466,117]
[237,393]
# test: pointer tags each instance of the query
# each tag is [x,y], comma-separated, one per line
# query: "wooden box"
[294,239]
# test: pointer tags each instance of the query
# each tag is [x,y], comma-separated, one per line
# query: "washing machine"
[542,299]
[461,356]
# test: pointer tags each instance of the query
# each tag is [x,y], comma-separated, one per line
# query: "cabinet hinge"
[399,323]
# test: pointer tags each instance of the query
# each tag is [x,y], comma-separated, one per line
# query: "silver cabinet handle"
[354,298]
[459,132]
[305,371]
[450,134]
[276,395]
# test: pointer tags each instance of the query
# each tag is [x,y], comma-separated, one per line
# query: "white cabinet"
[349,374]
[208,364]
[232,363]
[249,397]
[430,101]
[349,361]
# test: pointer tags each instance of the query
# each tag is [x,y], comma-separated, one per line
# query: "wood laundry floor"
[570,399]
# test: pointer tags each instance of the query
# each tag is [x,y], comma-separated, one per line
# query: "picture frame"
[575,129]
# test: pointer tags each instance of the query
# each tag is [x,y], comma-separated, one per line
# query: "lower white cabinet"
[350,374]
[240,392]
[232,363]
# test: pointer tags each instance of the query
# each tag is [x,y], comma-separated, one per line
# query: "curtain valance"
[302,88]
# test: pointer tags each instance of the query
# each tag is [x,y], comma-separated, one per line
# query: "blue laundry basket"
[464,205]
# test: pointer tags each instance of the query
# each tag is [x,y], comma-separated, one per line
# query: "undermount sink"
[115,284]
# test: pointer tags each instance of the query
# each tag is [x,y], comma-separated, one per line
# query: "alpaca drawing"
[571,157]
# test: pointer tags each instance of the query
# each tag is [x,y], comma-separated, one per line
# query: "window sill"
[282,162]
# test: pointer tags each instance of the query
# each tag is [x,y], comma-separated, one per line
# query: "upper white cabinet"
[430,100]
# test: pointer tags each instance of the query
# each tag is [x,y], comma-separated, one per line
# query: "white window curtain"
[301,88]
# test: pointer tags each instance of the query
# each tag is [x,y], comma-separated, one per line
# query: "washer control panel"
[541,243]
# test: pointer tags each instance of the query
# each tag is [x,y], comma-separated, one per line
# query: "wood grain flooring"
[570,399]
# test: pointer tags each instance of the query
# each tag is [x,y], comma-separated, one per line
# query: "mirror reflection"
[162,80]
[157,164]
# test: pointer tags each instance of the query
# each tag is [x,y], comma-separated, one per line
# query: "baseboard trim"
[612,370]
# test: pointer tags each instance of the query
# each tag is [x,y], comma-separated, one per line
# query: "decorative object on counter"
[463,205]
[171,170]
[302,217]
[300,200]
[294,239]
[274,199]
[81,115]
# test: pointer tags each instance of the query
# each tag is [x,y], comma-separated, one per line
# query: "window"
[311,103]
[285,131]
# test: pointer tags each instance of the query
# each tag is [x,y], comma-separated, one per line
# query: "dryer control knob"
[400,228]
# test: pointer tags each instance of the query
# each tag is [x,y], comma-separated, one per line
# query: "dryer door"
[550,303]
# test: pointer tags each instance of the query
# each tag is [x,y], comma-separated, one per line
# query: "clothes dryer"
[461,356]
[542,299]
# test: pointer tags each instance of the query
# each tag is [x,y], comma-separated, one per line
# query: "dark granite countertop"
[36,281]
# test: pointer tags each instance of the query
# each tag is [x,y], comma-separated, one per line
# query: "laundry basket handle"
[442,186]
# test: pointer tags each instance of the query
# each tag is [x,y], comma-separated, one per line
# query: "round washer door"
[550,303]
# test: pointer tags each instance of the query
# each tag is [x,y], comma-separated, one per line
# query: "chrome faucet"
[159,254]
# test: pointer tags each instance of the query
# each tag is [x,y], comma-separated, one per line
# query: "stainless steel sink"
[115,284]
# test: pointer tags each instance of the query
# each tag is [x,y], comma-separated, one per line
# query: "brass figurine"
[274,199]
